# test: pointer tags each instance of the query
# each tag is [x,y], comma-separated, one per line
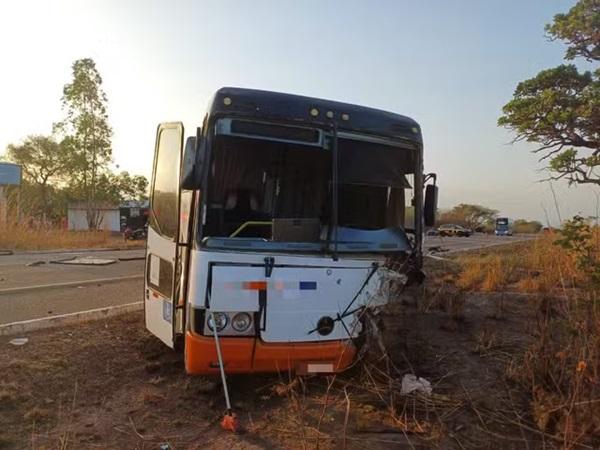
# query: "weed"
[561,368]
[485,341]
[22,237]
[37,414]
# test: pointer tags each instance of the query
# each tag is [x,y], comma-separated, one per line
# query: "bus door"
[163,230]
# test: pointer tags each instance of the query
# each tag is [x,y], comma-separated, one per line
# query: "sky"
[449,64]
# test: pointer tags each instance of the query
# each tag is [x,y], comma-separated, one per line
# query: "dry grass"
[561,369]
[534,267]
[22,237]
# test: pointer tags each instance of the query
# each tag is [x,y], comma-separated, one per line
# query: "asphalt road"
[30,292]
[473,242]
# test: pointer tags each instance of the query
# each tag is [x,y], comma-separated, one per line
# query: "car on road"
[451,229]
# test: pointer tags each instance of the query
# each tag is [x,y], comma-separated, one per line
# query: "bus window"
[375,186]
[166,185]
[257,185]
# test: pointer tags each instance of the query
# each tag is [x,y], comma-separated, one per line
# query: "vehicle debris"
[412,383]
[85,261]
[35,263]
[132,258]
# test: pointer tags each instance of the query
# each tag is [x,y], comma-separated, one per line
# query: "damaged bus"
[277,225]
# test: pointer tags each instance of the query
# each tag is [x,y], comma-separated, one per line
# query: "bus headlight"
[220,319]
[241,322]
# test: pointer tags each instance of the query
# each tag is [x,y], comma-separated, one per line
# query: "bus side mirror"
[191,164]
[430,206]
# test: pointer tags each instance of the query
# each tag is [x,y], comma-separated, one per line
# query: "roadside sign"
[10,174]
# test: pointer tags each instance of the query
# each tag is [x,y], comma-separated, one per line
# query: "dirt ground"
[111,385]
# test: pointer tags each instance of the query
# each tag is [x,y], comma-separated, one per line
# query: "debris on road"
[85,261]
[18,341]
[35,263]
[6,252]
[412,383]
[132,258]
[437,249]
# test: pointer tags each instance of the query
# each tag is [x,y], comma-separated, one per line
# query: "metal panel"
[297,297]
[230,289]
[10,174]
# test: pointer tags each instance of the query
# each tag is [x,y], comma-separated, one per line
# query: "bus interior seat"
[241,206]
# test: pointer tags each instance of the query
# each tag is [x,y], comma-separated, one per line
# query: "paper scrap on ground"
[19,341]
[412,383]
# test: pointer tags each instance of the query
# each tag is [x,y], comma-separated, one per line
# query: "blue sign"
[10,174]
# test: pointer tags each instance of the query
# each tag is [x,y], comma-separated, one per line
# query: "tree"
[131,187]
[527,226]
[43,161]
[559,108]
[473,216]
[87,133]
[580,29]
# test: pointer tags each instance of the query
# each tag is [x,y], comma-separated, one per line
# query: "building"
[108,215]
[134,214]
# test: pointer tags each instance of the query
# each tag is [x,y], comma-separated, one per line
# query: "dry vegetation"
[561,366]
[539,266]
[22,237]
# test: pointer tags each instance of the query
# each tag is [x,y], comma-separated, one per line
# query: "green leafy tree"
[131,187]
[87,134]
[559,108]
[114,188]
[44,161]
[577,237]
[580,29]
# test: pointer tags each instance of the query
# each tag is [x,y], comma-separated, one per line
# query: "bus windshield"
[277,195]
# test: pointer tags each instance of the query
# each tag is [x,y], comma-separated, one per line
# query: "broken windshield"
[266,194]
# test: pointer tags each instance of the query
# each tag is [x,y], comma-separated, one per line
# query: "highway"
[48,289]
[473,242]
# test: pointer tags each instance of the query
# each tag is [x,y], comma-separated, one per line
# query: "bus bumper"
[251,355]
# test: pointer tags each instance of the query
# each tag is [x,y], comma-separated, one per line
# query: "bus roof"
[297,109]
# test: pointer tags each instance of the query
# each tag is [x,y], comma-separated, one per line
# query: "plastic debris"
[85,261]
[19,341]
[412,383]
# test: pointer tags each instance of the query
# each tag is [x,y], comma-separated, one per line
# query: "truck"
[503,227]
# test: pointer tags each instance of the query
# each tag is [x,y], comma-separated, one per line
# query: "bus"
[503,227]
[276,225]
